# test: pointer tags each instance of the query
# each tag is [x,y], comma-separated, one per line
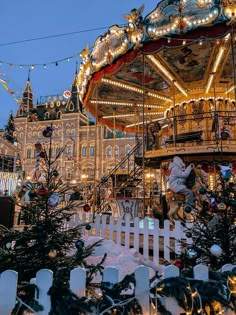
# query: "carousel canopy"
[180,52]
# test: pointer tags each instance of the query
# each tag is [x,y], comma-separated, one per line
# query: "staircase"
[125,175]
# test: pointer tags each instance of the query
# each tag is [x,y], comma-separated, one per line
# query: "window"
[21,112]
[84,151]
[69,151]
[46,115]
[116,150]
[28,153]
[128,149]
[92,151]
[71,107]
[58,115]
[68,173]
[109,151]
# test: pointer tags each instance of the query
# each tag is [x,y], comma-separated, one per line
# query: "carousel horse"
[198,183]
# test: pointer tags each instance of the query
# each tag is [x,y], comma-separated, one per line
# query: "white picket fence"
[147,234]
[44,279]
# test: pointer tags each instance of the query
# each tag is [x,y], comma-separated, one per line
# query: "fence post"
[171,303]
[8,290]
[110,274]
[142,288]
[201,272]
[78,281]
[44,279]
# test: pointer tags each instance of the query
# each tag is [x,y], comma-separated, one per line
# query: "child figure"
[177,179]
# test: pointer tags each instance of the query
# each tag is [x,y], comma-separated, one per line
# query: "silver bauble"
[216,250]
[191,253]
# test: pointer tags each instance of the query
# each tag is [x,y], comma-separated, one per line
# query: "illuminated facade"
[90,150]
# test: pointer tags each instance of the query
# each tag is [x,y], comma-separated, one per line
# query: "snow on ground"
[125,260]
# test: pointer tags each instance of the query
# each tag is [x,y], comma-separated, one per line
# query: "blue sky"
[31,19]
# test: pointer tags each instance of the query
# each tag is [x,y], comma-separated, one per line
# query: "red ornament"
[86,207]
[178,263]
[47,133]
[43,191]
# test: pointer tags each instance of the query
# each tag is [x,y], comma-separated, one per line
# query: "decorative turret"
[27,97]
[75,94]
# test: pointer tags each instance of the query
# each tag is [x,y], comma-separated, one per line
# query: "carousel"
[170,78]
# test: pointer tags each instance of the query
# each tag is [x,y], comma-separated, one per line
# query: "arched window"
[69,150]
[71,107]
[92,151]
[127,149]
[47,115]
[28,153]
[59,115]
[109,151]
[84,151]
[21,112]
[117,150]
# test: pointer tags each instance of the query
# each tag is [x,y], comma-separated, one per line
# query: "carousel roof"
[181,51]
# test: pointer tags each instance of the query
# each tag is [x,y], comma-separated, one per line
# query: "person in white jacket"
[177,179]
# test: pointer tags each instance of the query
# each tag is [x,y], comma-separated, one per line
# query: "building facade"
[90,150]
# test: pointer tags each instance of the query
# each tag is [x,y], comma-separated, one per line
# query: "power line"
[53,36]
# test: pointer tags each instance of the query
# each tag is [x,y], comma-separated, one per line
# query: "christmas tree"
[9,130]
[43,242]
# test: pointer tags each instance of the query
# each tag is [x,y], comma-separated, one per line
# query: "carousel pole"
[95,192]
[114,139]
[174,117]
[233,61]
[143,135]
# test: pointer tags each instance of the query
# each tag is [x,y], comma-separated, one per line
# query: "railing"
[154,240]
[44,280]
[135,151]
[215,127]
[118,166]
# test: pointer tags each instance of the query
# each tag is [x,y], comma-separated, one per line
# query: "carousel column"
[144,139]
[233,60]
[114,139]
[174,116]
[95,191]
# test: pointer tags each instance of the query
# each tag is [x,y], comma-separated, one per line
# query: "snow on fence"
[44,279]
[156,241]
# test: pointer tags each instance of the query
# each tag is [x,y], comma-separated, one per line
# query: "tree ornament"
[202,191]
[54,200]
[8,245]
[187,209]
[221,206]
[88,227]
[52,253]
[191,253]
[79,244]
[86,207]
[43,191]
[216,250]
[178,263]
[47,132]
[55,173]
